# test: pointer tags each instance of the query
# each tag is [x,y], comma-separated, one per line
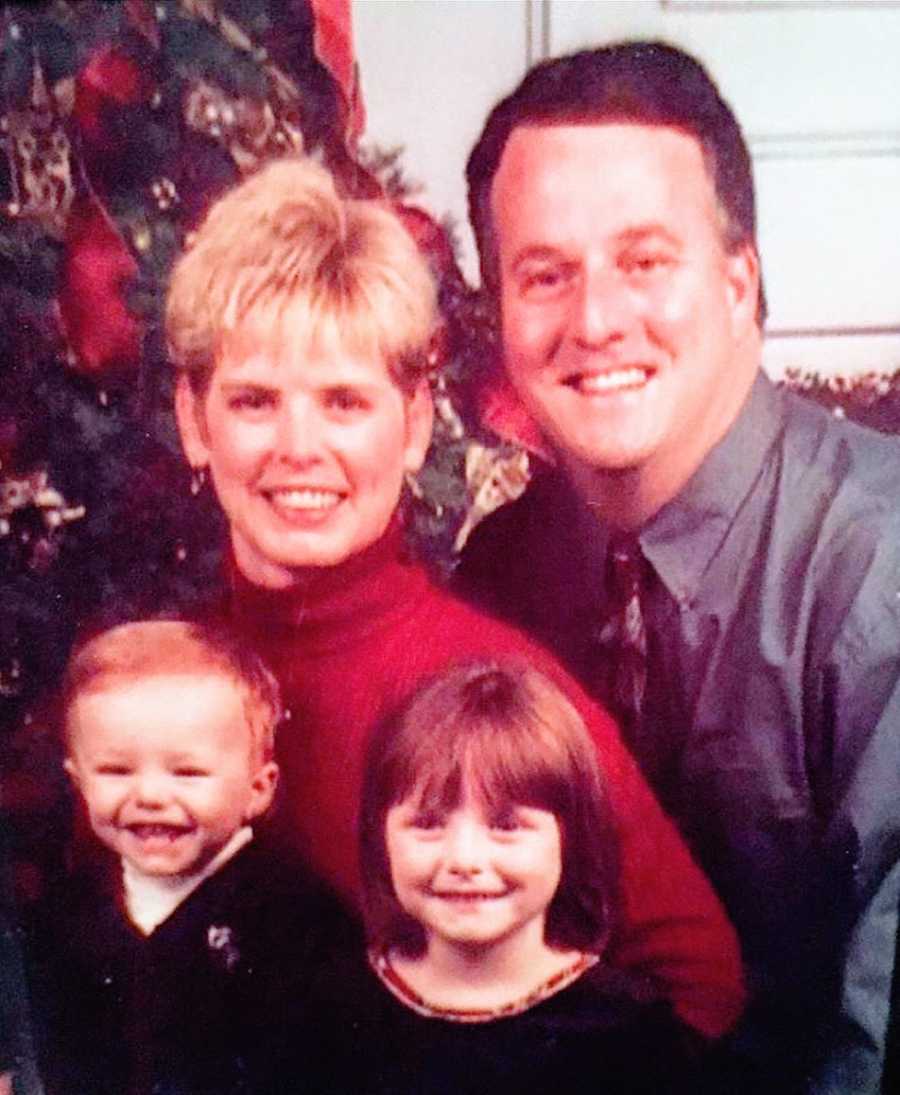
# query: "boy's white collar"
[151,899]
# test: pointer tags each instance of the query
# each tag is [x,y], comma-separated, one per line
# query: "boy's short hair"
[151,648]
[285,245]
[511,731]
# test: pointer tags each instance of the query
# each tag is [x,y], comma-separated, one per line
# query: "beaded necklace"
[407,995]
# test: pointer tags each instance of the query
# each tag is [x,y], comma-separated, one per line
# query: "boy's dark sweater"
[236,981]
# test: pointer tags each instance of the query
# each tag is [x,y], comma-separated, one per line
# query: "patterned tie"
[622,637]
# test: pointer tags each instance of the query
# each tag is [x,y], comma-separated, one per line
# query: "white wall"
[430,72]
[816,87]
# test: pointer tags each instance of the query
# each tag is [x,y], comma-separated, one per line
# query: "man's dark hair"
[643,83]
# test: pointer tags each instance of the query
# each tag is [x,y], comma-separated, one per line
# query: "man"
[729,550]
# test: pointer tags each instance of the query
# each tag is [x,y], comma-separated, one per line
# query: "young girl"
[489,863]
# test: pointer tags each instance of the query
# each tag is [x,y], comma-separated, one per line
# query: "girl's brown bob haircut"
[507,733]
[284,253]
[135,651]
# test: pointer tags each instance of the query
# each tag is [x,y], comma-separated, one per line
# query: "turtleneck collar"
[362,594]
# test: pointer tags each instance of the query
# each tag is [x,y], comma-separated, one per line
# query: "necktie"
[621,636]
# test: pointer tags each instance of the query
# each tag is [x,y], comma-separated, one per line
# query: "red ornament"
[103,335]
[9,436]
[110,79]
[501,410]
[333,43]
[431,239]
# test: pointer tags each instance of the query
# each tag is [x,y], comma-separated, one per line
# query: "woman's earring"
[198,480]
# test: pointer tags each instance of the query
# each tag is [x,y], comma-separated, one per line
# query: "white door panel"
[816,87]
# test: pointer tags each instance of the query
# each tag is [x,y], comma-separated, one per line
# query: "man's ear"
[419,423]
[742,274]
[191,423]
[262,790]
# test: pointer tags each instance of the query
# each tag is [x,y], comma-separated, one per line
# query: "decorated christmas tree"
[121,122]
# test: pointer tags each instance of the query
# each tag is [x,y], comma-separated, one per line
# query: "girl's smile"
[473,877]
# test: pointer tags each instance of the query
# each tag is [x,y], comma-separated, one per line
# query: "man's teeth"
[306,499]
[607,382]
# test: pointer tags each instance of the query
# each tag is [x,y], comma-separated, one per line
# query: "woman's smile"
[294,501]
[303,507]
[307,448]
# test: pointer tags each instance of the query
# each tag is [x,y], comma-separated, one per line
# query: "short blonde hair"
[151,648]
[285,245]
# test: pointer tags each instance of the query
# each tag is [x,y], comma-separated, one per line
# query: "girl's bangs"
[493,766]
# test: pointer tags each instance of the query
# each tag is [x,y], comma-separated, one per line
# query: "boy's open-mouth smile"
[164,831]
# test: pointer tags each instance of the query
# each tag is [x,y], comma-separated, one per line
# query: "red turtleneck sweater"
[359,638]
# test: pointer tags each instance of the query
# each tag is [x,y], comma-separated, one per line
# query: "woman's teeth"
[305,499]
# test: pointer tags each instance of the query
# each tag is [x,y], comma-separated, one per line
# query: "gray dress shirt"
[771,722]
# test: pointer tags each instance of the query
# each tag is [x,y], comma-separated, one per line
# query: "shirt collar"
[151,899]
[683,538]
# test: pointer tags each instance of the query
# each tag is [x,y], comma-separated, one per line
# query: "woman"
[299,321]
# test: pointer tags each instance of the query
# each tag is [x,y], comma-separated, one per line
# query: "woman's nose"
[300,432]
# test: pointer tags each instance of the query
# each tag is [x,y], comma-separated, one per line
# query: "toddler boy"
[179,965]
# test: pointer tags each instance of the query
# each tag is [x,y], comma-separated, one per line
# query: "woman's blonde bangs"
[285,249]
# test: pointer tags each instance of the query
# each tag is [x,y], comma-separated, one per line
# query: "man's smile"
[602,382]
